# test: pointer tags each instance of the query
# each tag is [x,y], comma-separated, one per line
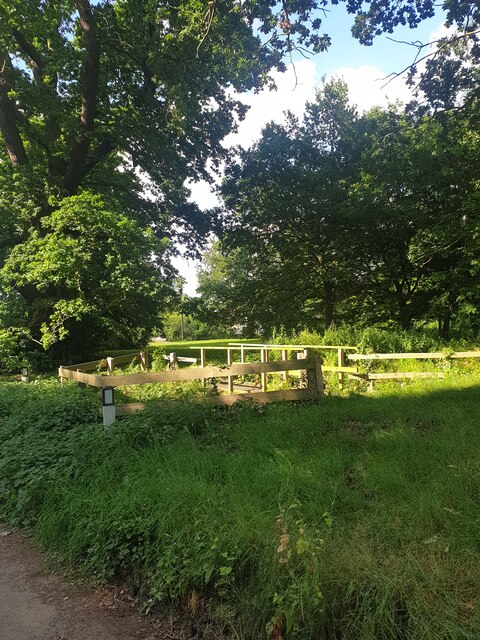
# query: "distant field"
[192,349]
[185,348]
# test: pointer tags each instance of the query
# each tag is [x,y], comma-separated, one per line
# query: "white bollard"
[108,406]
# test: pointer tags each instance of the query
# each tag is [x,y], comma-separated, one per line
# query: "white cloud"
[367,87]
[294,88]
[202,193]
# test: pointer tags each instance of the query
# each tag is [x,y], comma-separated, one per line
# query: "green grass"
[353,518]
[192,349]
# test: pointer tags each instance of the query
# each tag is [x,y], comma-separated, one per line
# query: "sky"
[364,69]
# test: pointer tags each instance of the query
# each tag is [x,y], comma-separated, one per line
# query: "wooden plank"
[198,373]
[285,357]
[249,387]
[85,378]
[262,398]
[398,375]
[434,355]
[230,378]
[319,377]
[266,397]
[465,354]
[341,363]
[263,376]
[128,357]
[203,364]
[183,359]
[292,347]
[87,366]
[144,360]
[329,369]
[211,348]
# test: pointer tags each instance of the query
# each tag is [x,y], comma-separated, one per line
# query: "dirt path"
[37,605]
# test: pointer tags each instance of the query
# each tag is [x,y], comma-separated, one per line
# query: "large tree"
[287,197]
[345,218]
[107,108]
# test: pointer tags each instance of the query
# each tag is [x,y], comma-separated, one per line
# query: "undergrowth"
[353,518]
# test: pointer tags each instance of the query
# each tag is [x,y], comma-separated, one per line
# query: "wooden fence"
[107,383]
[301,351]
[109,363]
[303,362]
[371,378]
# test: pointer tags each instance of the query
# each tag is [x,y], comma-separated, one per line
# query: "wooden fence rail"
[404,375]
[313,368]
[434,355]
[110,362]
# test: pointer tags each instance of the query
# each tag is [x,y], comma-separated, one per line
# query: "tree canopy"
[348,218]
[109,108]
[106,109]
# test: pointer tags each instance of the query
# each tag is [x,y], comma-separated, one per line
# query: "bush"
[371,339]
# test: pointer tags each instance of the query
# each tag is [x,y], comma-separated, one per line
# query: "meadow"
[353,517]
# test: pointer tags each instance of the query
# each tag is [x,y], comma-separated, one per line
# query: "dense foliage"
[342,217]
[106,110]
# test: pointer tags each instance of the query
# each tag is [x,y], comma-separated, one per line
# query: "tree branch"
[106,146]
[31,53]
[78,156]
[443,42]
[8,114]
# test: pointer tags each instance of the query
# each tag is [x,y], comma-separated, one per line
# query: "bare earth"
[38,605]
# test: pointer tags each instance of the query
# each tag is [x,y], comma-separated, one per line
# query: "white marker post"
[108,406]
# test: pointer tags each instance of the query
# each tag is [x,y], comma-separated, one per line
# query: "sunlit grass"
[355,517]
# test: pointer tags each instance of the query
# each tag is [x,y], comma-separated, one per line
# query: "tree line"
[347,218]
[109,108]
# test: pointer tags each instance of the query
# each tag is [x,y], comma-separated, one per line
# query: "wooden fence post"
[110,365]
[285,357]
[315,377]
[144,360]
[229,378]
[341,363]
[202,364]
[319,377]
[301,355]
[263,376]
[242,354]
[172,360]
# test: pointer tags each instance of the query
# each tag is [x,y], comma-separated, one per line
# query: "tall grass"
[349,518]
[373,339]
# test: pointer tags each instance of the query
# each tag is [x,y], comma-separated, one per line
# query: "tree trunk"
[329,304]
[8,115]
[444,324]
[404,310]
[78,157]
